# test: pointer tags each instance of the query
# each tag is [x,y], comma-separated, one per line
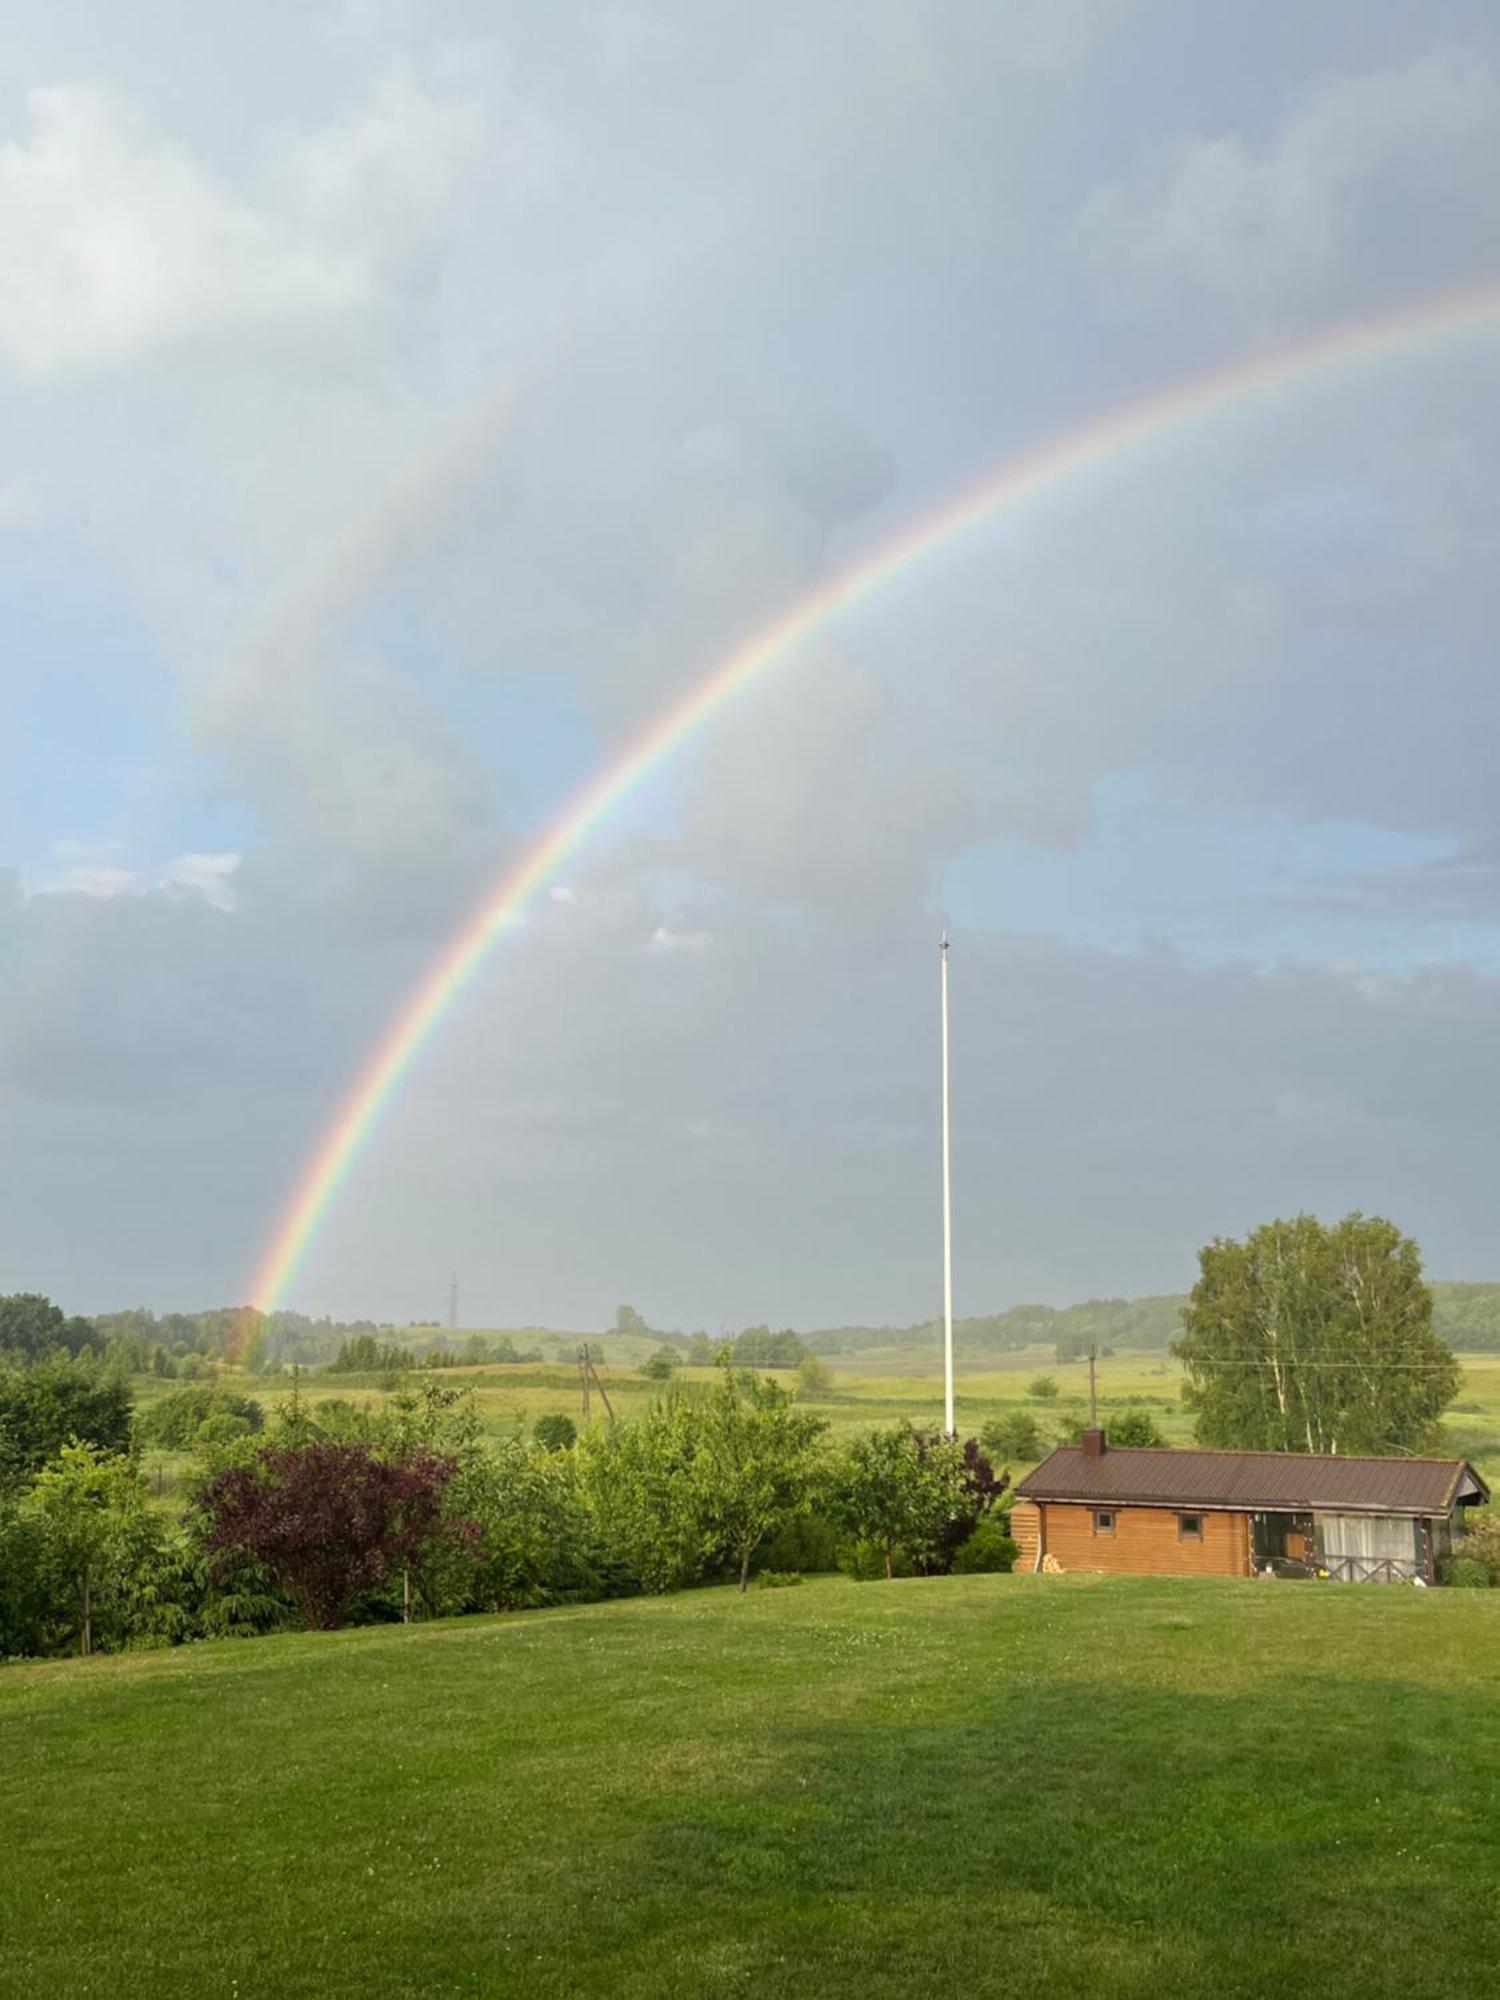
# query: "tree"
[31,1326]
[24,1604]
[1042,1388]
[92,1527]
[700,1353]
[814,1377]
[1308,1338]
[330,1521]
[660,1366]
[642,1484]
[628,1320]
[255,1354]
[758,1347]
[899,1493]
[758,1460]
[363,1354]
[975,1487]
[1013,1435]
[538,1543]
[58,1399]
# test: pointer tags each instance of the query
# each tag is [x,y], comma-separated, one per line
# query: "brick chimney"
[1093,1443]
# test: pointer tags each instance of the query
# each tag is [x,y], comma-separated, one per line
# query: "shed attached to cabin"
[1095,1506]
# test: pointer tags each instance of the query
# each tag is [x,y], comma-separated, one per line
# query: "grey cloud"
[573,358]
[1279,618]
[1278,228]
[778,1089]
[806,794]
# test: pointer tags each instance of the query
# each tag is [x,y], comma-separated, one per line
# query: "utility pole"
[453,1303]
[1093,1388]
[950,1427]
[588,1374]
[599,1385]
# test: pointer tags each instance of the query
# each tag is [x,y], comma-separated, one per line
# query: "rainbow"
[1112,439]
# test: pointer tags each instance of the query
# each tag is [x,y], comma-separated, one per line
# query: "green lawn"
[989,1785]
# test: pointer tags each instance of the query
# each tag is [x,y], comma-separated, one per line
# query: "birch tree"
[1309,1338]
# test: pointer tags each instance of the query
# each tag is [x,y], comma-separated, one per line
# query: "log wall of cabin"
[1146,1540]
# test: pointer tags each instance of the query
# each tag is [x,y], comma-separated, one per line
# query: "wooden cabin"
[1095,1506]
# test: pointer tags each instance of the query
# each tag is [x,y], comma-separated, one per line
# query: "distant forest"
[1466,1316]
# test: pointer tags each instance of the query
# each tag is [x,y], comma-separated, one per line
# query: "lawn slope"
[991,1785]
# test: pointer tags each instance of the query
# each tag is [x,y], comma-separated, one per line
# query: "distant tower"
[453,1302]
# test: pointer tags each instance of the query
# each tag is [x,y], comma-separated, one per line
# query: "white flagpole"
[949,1425]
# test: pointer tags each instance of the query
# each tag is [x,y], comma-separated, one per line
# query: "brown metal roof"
[1251,1480]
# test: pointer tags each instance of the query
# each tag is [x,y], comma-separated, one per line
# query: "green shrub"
[1135,1428]
[807,1543]
[864,1560]
[1480,1541]
[1464,1573]
[988,1551]
[777,1579]
[221,1427]
[555,1432]
[176,1421]
[1012,1435]
[1042,1387]
[55,1400]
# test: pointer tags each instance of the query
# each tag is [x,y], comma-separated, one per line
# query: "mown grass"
[993,1785]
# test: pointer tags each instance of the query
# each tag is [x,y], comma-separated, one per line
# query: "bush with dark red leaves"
[981,1489]
[332,1521]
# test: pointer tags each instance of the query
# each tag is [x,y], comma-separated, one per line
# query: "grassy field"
[874,1388]
[992,1785]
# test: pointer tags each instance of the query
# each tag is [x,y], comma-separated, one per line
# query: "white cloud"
[1362,154]
[115,241]
[665,939]
[98,869]
[393,177]
[210,876]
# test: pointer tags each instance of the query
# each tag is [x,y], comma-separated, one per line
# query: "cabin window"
[1104,1521]
[1190,1527]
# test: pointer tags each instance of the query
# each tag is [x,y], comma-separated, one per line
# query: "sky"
[401,405]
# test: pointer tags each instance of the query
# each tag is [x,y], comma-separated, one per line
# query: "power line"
[1410,1367]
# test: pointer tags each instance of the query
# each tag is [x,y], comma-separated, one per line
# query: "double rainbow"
[1243,387]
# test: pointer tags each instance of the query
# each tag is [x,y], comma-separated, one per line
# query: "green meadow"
[879,1386]
[991,1785]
